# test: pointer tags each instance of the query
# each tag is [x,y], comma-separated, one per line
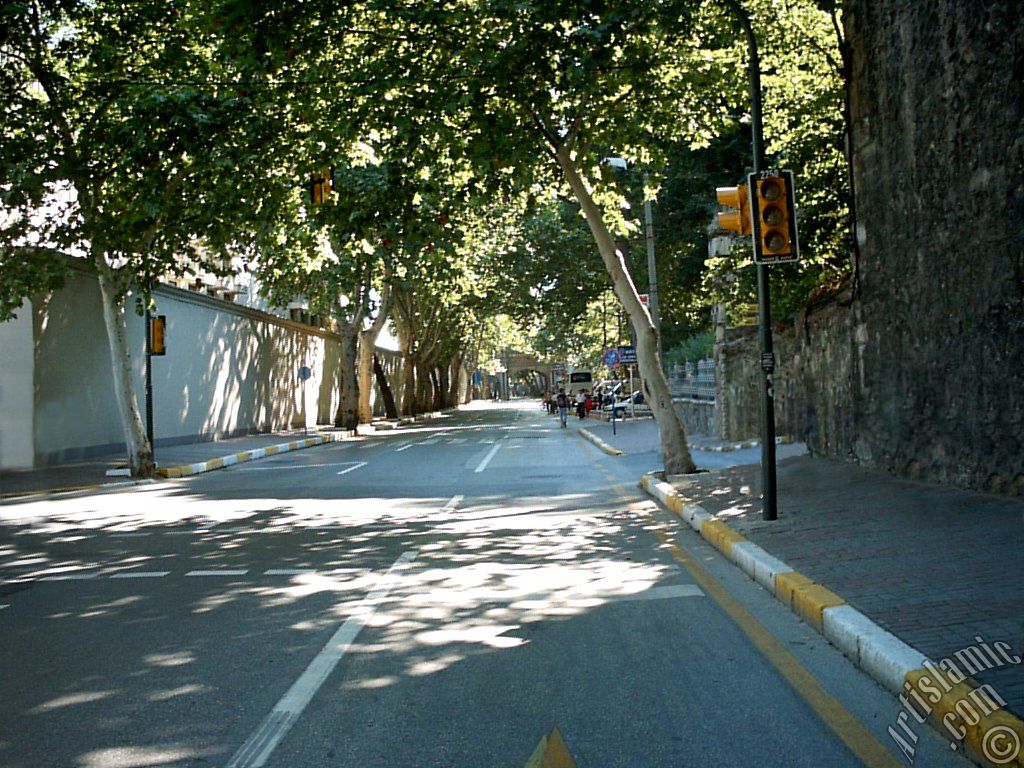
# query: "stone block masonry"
[917,366]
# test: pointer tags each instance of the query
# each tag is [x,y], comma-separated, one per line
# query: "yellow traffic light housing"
[737,199]
[774,221]
[320,186]
[158,335]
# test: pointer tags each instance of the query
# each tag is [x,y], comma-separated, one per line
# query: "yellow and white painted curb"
[183,470]
[610,450]
[781,440]
[962,710]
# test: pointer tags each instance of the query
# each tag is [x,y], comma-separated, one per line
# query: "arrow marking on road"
[551,752]
[259,746]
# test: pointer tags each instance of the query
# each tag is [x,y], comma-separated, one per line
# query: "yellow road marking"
[551,752]
[837,717]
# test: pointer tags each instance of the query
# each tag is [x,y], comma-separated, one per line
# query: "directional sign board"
[610,357]
[580,377]
[627,355]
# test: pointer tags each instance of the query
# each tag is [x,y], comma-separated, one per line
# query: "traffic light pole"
[769,510]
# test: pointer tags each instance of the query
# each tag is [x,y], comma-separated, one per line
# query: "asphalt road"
[438,596]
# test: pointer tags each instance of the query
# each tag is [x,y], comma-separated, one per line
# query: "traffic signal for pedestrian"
[158,335]
[775,234]
[737,217]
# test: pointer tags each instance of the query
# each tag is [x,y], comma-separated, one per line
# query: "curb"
[70,491]
[184,470]
[781,440]
[611,451]
[898,667]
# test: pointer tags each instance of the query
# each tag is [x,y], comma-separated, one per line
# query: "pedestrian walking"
[581,405]
[562,403]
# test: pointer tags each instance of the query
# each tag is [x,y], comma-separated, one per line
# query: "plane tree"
[113,145]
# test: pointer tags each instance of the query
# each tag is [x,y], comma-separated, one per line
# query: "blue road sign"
[627,355]
[610,357]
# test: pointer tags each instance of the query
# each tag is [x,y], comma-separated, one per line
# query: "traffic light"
[320,185]
[775,235]
[737,199]
[158,337]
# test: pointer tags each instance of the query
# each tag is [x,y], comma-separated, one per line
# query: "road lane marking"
[357,466]
[288,571]
[4,606]
[453,503]
[274,467]
[403,447]
[130,535]
[139,575]
[837,717]
[259,746]
[69,577]
[219,572]
[487,441]
[456,440]
[487,458]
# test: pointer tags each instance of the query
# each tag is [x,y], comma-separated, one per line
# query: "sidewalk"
[936,566]
[59,477]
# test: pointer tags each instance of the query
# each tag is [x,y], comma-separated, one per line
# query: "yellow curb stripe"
[720,535]
[970,712]
[270,450]
[805,597]
[215,463]
[843,723]
[853,734]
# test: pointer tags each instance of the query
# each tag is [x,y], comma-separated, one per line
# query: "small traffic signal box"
[737,200]
[320,186]
[774,217]
[158,337]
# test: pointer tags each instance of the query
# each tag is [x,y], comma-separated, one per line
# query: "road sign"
[645,299]
[610,357]
[627,355]
[558,368]
[580,377]
[305,373]
[478,378]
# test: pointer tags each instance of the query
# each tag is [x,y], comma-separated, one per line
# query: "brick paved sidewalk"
[935,566]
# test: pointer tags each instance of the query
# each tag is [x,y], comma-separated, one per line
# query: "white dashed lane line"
[487,458]
[139,575]
[223,572]
[357,465]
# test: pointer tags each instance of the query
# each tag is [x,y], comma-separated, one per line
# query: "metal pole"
[652,271]
[769,509]
[149,378]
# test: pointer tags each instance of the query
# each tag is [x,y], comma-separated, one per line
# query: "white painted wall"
[228,370]
[16,375]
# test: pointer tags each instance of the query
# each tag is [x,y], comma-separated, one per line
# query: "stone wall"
[698,416]
[938,109]
[918,368]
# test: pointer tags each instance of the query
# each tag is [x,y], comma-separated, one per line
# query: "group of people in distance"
[561,403]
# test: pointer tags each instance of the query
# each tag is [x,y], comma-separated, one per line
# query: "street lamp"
[652,272]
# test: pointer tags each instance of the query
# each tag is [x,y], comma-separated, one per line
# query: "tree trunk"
[347,415]
[454,379]
[390,409]
[367,342]
[409,386]
[140,452]
[675,452]
[367,345]
[422,387]
[440,380]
